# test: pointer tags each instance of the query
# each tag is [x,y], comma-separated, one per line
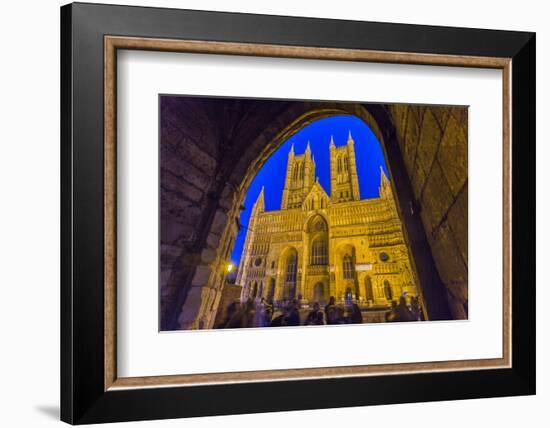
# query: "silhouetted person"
[340,316]
[400,312]
[331,313]
[244,317]
[391,315]
[278,321]
[231,311]
[293,317]
[415,308]
[320,319]
[356,316]
[312,316]
[403,312]
[268,313]
[259,313]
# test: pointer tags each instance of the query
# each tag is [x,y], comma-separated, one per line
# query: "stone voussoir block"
[213,240]
[453,155]
[219,222]
[201,276]
[430,137]
[448,260]
[194,304]
[208,255]
[436,198]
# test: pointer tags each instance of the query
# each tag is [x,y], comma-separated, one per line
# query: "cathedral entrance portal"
[349,295]
[289,290]
[319,293]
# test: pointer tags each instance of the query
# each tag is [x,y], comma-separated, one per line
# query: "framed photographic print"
[254,207]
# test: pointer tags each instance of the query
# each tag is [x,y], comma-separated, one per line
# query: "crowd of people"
[262,313]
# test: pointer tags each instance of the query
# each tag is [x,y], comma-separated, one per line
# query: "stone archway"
[344,262]
[192,255]
[319,295]
[287,282]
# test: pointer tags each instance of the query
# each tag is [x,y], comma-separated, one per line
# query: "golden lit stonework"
[321,245]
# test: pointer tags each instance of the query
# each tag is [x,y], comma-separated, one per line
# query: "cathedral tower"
[300,177]
[344,184]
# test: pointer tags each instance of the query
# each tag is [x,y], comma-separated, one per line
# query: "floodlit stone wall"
[434,144]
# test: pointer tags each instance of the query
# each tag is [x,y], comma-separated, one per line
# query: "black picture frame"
[83,399]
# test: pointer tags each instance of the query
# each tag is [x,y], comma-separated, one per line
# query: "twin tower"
[300,175]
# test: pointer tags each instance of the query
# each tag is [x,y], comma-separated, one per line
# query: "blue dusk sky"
[368,154]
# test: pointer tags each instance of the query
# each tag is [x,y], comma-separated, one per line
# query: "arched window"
[291,269]
[387,290]
[302,169]
[319,251]
[368,289]
[290,277]
[339,164]
[348,267]
[261,290]
[346,164]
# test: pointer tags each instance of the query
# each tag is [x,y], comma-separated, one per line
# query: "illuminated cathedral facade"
[319,245]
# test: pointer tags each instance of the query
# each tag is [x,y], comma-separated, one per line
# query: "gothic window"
[290,279]
[302,168]
[368,289]
[348,267]
[273,264]
[291,269]
[261,290]
[346,164]
[319,251]
[387,290]
[339,163]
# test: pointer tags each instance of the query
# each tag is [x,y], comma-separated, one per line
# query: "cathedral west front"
[319,246]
